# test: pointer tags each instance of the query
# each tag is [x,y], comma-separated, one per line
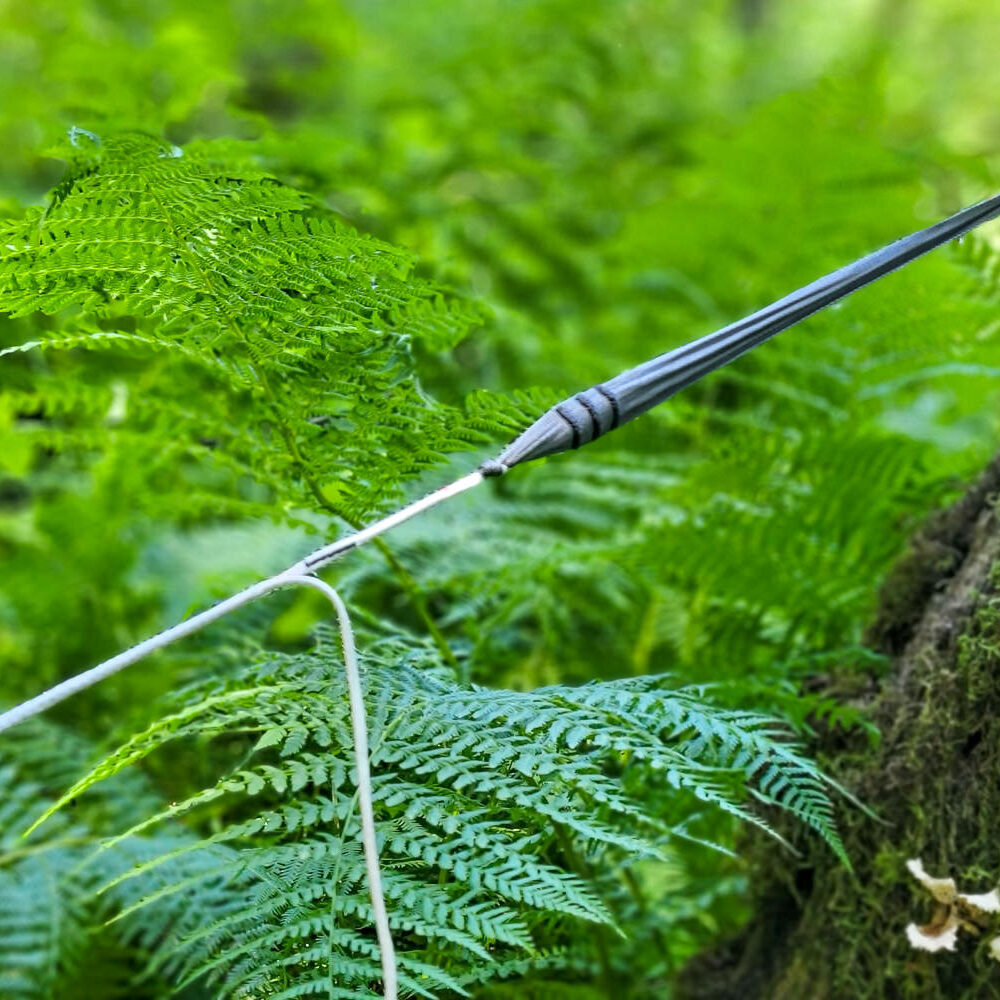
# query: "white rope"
[94,675]
[297,575]
[321,557]
[359,726]
[328,553]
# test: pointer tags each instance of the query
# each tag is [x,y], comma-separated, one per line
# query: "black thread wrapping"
[573,425]
[594,419]
[317,558]
[492,467]
[615,412]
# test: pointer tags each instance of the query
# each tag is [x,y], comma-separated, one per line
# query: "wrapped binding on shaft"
[589,414]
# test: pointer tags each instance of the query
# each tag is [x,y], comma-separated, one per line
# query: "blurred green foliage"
[609,180]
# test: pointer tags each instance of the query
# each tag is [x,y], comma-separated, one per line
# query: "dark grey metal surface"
[595,411]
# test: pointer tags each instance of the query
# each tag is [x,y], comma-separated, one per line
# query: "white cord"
[328,553]
[299,574]
[359,726]
[72,685]
[321,557]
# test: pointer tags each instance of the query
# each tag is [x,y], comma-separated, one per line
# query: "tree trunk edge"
[818,931]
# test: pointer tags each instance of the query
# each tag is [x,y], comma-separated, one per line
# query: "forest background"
[593,183]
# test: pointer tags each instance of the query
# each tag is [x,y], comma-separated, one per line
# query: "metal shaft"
[595,411]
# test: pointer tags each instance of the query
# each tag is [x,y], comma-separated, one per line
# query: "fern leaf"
[306,327]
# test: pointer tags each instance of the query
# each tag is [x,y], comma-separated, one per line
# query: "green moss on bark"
[820,931]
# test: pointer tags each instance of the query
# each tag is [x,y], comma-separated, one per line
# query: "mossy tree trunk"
[821,932]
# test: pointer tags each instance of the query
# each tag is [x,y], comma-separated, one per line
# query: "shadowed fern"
[506,819]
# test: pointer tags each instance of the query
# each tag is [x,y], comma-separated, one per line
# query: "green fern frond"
[219,355]
[51,923]
[487,803]
[303,328]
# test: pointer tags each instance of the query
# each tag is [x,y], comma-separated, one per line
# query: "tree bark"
[821,932]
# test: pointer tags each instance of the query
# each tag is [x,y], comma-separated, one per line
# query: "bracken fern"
[295,331]
[505,819]
[208,343]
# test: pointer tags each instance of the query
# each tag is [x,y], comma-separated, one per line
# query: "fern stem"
[410,586]
[12,857]
[637,894]
[584,870]
[416,595]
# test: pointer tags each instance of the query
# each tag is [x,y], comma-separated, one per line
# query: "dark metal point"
[492,467]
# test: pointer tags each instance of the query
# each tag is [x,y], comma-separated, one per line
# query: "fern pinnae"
[494,775]
[456,826]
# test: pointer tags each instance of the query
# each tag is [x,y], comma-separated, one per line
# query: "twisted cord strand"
[298,575]
[294,574]
[369,841]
